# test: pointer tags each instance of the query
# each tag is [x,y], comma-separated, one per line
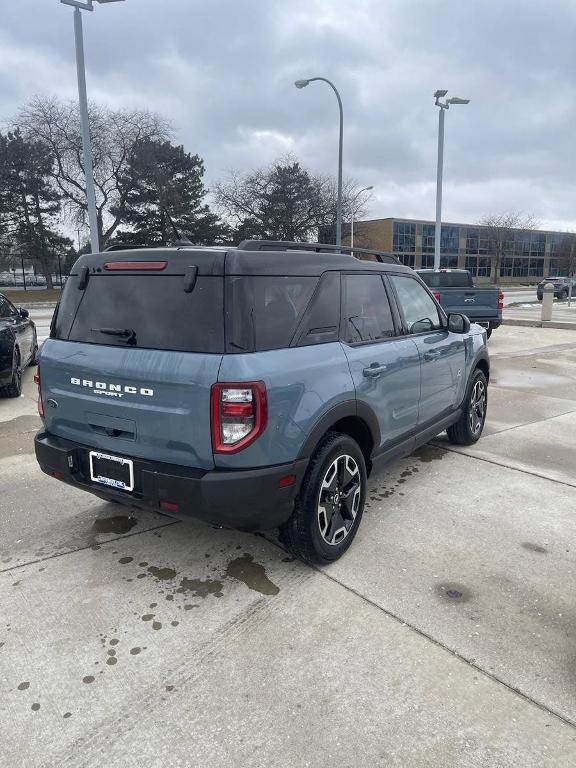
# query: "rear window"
[263,312]
[149,311]
[446,279]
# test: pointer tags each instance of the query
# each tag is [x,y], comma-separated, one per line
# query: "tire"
[14,389]
[564,296]
[488,332]
[34,356]
[321,533]
[468,429]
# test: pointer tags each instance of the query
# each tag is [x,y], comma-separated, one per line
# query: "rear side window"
[263,312]
[366,314]
[419,309]
[447,279]
[149,311]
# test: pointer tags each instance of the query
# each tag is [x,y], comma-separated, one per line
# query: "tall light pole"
[86,5]
[356,196]
[443,106]
[303,84]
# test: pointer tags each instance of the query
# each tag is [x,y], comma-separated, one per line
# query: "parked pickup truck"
[454,289]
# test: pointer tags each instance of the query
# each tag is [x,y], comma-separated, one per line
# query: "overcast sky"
[222,71]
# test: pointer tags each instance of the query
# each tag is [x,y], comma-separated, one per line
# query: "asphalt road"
[445,637]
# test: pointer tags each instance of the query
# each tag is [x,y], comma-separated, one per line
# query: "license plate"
[113,471]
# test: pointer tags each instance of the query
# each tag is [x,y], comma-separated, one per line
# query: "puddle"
[162,574]
[252,574]
[117,524]
[453,592]
[200,587]
[429,453]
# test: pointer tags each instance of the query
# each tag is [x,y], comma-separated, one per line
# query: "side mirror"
[23,313]
[458,323]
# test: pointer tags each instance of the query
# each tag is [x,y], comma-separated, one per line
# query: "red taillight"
[138,266]
[169,506]
[500,300]
[239,414]
[437,296]
[40,401]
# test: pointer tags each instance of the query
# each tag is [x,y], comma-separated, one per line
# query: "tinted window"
[158,310]
[366,314]
[263,312]
[322,319]
[420,311]
[447,279]
[6,309]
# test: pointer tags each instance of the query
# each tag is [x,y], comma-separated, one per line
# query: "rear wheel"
[468,429]
[330,504]
[34,355]
[488,332]
[564,295]
[14,389]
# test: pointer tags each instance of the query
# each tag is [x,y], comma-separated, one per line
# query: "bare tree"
[114,136]
[282,201]
[500,230]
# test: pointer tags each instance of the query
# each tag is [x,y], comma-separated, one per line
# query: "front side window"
[366,314]
[420,311]
[6,309]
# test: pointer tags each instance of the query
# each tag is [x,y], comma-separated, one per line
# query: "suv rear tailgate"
[151,404]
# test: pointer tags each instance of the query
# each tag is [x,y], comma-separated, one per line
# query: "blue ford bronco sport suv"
[253,387]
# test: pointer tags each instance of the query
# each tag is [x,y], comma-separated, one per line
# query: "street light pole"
[85,5]
[443,106]
[303,84]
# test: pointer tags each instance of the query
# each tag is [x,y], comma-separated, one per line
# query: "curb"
[557,324]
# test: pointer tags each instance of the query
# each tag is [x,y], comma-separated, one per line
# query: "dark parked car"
[18,347]
[253,387]
[561,287]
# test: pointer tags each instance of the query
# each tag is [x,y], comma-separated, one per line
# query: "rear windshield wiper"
[128,333]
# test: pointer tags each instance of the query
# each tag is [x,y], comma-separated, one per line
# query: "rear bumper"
[247,500]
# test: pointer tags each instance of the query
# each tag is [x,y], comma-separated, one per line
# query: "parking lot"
[444,637]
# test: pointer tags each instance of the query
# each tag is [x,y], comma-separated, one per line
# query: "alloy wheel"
[339,499]
[477,410]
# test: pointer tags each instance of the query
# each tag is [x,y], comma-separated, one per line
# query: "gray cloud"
[223,73]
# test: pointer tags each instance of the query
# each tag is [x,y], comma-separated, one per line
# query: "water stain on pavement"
[125,560]
[88,679]
[453,592]
[428,453]
[162,574]
[534,547]
[24,686]
[116,524]
[200,587]
[252,574]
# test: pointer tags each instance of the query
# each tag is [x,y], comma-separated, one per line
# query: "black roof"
[252,257]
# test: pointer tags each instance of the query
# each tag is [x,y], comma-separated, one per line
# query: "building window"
[472,241]
[428,239]
[407,259]
[449,261]
[479,266]
[449,239]
[404,237]
[521,267]
[427,261]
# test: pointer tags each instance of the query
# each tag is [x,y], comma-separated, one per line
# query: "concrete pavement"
[443,638]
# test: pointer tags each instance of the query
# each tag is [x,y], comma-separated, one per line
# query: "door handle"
[432,355]
[374,370]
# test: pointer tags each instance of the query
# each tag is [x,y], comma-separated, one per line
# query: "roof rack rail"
[285,245]
[124,247]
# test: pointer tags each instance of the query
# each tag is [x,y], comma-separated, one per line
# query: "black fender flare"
[345,409]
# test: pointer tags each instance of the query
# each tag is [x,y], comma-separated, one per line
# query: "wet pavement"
[445,637]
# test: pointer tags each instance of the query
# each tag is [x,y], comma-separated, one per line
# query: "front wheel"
[14,389]
[329,507]
[468,428]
